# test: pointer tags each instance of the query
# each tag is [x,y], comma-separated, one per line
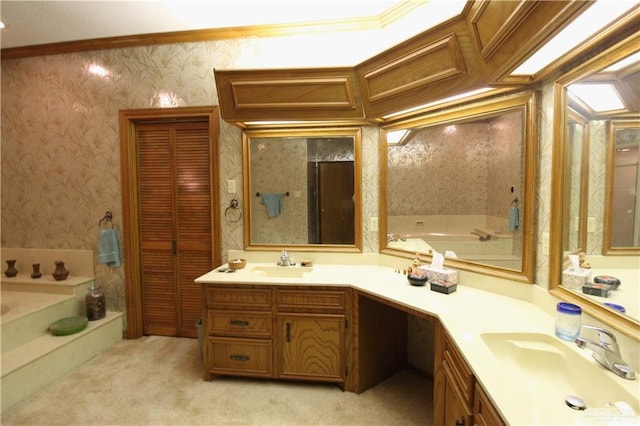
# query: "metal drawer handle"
[240,357]
[243,323]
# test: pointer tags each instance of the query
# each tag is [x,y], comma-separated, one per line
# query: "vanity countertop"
[466,314]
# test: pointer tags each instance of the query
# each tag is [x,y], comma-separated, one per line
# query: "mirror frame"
[607,248]
[528,100]
[557,260]
[579,119]
[356,133]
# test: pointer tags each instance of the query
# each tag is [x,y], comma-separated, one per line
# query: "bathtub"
[466,244]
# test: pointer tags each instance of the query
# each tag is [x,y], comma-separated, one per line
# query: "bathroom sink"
[279,271]
[546,365]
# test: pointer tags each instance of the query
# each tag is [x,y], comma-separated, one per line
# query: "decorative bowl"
[417,280]
[237,263]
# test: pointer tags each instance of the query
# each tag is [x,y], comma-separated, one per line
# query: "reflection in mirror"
[603,216]
[576,167]
[302,188]
[622,220]
[460,183]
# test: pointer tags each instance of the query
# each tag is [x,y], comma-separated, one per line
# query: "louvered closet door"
[174,187]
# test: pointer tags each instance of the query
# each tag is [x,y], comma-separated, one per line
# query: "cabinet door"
[456,410]
[484,413]
[311,346]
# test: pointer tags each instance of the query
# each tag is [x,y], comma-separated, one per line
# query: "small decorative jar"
[11,270]
[61,273]
[36,271]
[96,304]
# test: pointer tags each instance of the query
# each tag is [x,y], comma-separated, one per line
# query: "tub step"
[33,324]
[40,362]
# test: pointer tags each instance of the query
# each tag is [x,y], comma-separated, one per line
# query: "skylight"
[594,19]
[599,97]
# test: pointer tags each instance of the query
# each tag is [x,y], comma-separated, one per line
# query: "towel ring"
[233,206]
[107,218]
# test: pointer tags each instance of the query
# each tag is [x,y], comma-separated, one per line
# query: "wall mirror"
[461,182]
[622,190]
[576,168]
[302,189]
[610,144]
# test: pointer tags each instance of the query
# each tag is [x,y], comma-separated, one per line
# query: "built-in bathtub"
[31,357]
[485,239]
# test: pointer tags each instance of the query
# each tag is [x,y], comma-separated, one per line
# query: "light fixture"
[596,17]
[599,97]
[438,102]
[396,137]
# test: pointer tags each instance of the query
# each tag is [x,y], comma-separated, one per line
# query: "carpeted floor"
[158,381]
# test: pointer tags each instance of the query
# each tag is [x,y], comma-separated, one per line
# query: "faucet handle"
[606,337]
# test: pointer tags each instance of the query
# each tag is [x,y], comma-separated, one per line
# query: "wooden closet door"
[175,224]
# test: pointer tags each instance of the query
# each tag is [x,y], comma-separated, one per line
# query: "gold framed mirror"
[576,186]
[461,182]
[622,193]
[608,66]
[302,189]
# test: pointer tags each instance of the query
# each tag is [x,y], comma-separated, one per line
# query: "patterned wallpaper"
[60,142]
[461,169]
[279,166]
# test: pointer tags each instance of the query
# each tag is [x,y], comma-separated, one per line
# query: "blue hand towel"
[108,249]
[514,218]
[273,202]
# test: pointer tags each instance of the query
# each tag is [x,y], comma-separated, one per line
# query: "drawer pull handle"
[242,323]
[240,357]
[288,332]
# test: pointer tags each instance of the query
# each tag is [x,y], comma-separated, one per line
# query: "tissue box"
[574,279]
[448,275]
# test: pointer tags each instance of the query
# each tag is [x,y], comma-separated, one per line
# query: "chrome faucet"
[284,259]
[606,352]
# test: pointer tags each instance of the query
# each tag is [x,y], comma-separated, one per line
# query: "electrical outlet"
[591,224]
[373,224]
[231,186]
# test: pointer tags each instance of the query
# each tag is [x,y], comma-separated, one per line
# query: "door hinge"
[346,371]
[346,323]
[174,247]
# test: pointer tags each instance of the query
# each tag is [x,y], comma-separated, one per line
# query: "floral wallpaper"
[460,169]
[279,166]
[60,154]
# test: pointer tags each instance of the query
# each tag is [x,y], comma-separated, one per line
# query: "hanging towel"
[108,250]
[273,202]
[514,218]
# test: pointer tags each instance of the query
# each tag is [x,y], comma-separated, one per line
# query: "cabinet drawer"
[460,371]
[240,323]
[310,300]
[240,356]
[239,298]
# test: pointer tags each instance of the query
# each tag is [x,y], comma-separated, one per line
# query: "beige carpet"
[158,381]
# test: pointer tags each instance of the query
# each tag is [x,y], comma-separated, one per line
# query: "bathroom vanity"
[347,324]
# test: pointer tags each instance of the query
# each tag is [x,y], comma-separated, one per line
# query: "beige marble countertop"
[465,314]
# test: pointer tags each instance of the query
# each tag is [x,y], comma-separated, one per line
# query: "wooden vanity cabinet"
[459,400]
[290,332]
[312,331]
[238,329]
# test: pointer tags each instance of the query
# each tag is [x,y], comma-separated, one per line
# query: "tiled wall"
[60,142]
